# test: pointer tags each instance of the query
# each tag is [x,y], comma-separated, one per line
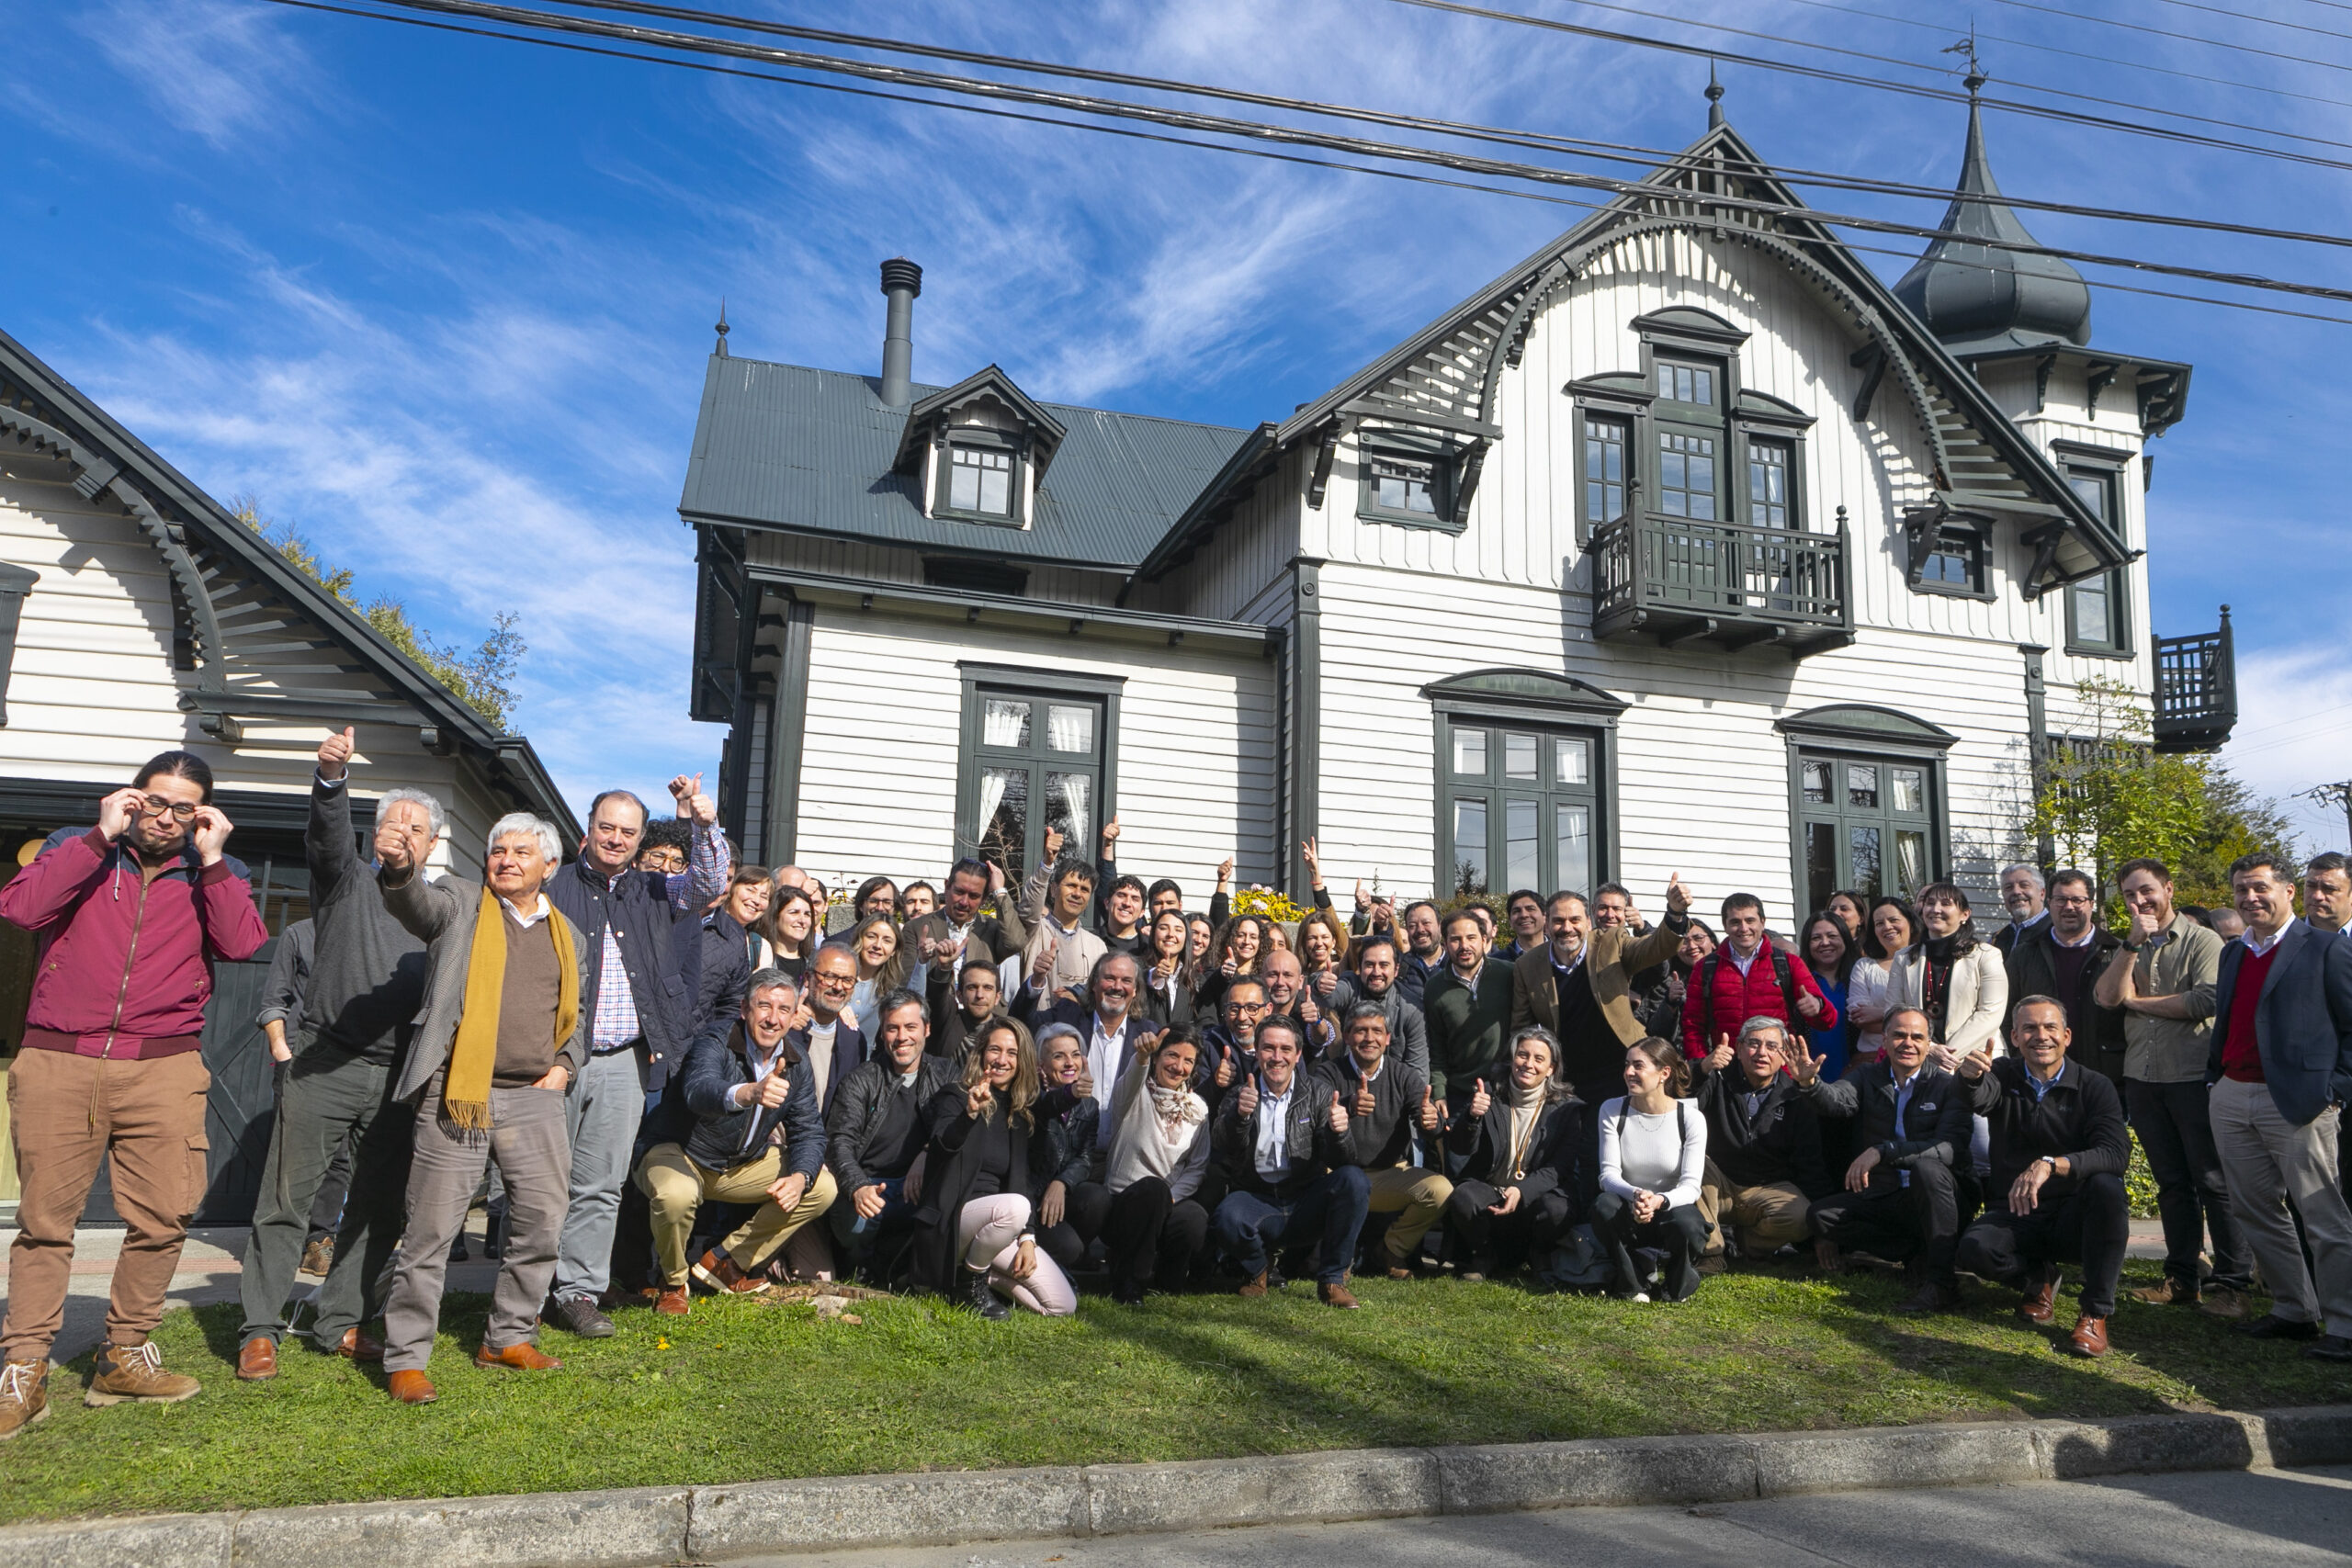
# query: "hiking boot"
[2171,1292]
[717,1271]
[2089,1338]
[136,1372]
[319,1257]
[1337,1295]
[257,1360]
[576,1315]
[1714,1262]
[1482,1267]
[1254,1287]
[24,1396]
[2226,1302]
[675,1303]
[2041,1304]
[2329,1347]
[981,1299]
[523,1357]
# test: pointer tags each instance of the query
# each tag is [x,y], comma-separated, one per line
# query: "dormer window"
[979,479]
[1408,479]
[1407,484]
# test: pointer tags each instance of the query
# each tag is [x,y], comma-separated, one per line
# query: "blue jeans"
[854,1231]
[1330,1210]
[600,1113]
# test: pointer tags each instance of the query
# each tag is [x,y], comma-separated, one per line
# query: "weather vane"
[1967,46]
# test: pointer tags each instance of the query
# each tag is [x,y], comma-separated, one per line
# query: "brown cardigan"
[1614,961]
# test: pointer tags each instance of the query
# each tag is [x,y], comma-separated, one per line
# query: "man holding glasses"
[131,916]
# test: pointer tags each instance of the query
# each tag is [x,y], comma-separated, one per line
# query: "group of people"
[671,1074]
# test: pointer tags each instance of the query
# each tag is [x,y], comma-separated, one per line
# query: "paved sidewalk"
[2257,1519]
[209,1270]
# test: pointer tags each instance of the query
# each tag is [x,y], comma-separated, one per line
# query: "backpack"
[1712,965]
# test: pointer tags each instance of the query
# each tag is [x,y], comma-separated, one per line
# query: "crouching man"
[757,1138]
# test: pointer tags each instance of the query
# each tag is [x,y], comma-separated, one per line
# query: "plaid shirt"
[616,1022]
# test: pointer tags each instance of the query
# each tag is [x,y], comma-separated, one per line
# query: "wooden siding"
[880,758]
[1244,560]
[898,563]
[92,692]
[1703,775]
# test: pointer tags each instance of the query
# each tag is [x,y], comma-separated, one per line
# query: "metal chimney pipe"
[901,281]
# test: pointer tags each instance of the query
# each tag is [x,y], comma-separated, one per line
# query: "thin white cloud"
[2294,730]
[226,72]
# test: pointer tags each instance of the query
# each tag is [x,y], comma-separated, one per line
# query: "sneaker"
[319,1257]
[136,1372]
[2329,1347]
[2226,1302]
[576,1315]
[24,1396]
[2171,1292]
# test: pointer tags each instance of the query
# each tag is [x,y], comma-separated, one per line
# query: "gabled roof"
[1444,376]
[233,590]
[788,448]
[991,382]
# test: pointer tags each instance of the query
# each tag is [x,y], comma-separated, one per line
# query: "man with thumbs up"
[1384,1104]
[1278,1139]
[366,986]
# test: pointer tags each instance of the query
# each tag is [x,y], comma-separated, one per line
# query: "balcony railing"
[1677,580]
[2197,690]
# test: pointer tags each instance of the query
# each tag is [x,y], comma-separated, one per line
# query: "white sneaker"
[1641,1295]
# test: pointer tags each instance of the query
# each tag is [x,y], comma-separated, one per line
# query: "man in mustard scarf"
[500,1040]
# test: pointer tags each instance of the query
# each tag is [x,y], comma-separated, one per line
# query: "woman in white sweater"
[1653,1157]
[1889,928]
[1159,1150]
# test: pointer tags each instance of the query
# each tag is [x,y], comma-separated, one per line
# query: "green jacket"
[1469,1027]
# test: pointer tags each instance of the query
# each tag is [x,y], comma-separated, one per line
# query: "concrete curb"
[653,1526]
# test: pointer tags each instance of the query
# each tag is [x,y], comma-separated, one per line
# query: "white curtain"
[992,783]
[1070,729]
[1004,724]
[1076,791]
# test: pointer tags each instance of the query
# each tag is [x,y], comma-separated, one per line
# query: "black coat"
[958,1149]
[637,906]
[1386,1137]
[2078,1118]
[2032,962]
[949,1033]
[724,960]
[1068,1124]
[1935,1127]
[724,1135]
[1314,1148]
[1780,1142]
[1557,1153]
[859,1103]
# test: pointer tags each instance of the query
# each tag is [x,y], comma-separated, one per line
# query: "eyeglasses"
[178,810]
[1248,1007]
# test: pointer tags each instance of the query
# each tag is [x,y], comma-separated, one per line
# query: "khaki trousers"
[146,1119]
[1766,1218]
[1417,1197]
[674,1187]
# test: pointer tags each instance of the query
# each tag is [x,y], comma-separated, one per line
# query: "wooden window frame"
[1039,686]
[1445,475]
[979,438]
[1980,542]
[1865,733]
[1593,722]
[2078,463]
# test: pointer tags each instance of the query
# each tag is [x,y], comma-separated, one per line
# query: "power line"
[2266,21]
[1612,151]
[1190,120]
[2186,37]
[1912,89]
[988,111]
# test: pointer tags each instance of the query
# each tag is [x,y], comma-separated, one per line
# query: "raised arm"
[327,840]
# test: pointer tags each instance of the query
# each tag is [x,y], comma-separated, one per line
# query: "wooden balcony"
[2197,690]
[1674,581]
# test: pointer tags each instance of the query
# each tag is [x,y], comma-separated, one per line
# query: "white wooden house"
[138,614]
[1686,545]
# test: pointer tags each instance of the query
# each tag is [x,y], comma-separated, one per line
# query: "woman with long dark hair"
[1653,1162]
[1236,953]
[978,1244]
[790,926]
[1160,1151]
[1661,1013]
[1829,953]
[1953,976]
[1521,1142]
[1891,926]
[1168,973]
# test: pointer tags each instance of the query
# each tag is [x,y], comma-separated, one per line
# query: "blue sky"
[444,304]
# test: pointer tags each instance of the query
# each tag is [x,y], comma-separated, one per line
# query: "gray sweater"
[366,972]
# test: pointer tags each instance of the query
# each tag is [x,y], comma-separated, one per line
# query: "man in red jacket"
[1748,977]
[131,915]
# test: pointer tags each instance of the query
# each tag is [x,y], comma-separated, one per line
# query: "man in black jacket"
[1902,1198]
[1386,1103]
[639,1003]
[2063,958]
[1289,1183]
[957,933]
[2059,1151]
[959,1004]
[876,1130]
[1763,1141]
[756,1139]
[367,986]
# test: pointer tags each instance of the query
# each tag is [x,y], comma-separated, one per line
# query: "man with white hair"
[504,1032]
[2024,896]
[366,984]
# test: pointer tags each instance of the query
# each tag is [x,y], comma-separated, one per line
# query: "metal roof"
[787,447]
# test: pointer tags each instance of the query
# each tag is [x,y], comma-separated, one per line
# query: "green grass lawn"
[744,1390]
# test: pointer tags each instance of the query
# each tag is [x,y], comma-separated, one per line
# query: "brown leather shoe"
[412,1388]
[1398,1272]
[2041,1304]
[2089,1337]
[1255,1287]
[1336,1296]
[673,1302]
[2172,1292]
[715,1270]
[136,1372]
[524,1358]
[257,1360]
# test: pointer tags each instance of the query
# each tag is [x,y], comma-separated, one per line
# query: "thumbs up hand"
[1225,1070]
[1247,1102]
[1481,1102]
[1720,1057]
[1338,1114]
[1428,1110]
[334,753]
[1367,1102]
